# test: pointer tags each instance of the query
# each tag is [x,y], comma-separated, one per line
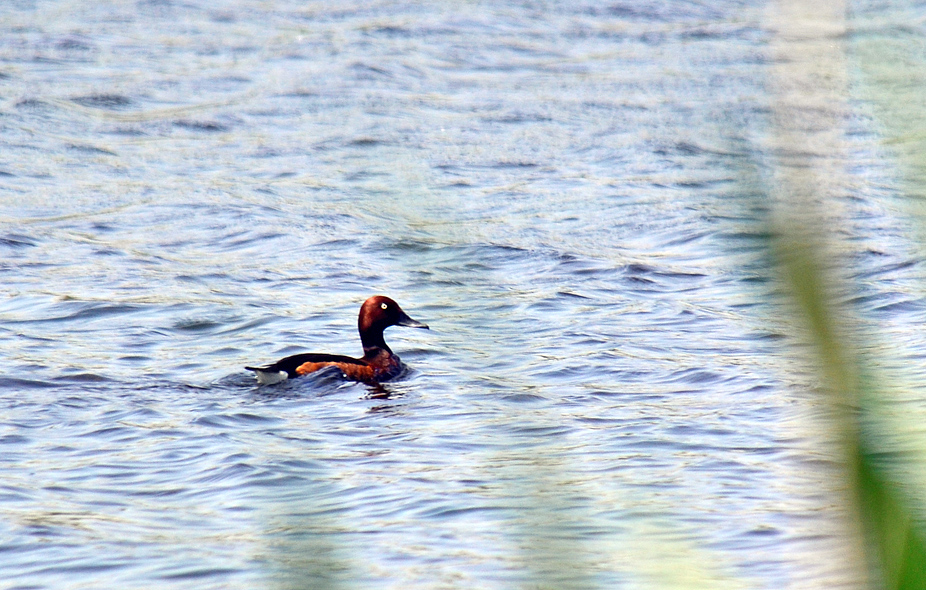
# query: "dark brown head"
[378,313]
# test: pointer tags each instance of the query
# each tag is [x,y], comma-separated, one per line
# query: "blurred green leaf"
[897,541]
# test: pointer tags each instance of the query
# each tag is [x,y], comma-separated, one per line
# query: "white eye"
[383,305]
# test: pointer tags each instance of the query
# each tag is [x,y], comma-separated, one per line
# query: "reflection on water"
[188,188]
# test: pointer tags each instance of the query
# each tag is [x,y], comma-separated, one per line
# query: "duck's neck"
[373,343]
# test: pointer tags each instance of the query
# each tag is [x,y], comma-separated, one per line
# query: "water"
[189,187]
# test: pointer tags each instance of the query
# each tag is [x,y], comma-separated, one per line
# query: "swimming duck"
[379,363]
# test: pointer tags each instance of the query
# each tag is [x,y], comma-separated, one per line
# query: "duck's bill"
[410,323]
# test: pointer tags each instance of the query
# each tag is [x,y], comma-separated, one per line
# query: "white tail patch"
[269,377]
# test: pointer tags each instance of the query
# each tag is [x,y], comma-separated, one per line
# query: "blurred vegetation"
[305,552]
[817,51]
[893,541]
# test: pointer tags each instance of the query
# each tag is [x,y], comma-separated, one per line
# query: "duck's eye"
[383,305]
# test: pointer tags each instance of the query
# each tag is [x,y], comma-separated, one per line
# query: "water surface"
[189,187]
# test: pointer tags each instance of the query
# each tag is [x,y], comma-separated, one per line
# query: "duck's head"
[379,312]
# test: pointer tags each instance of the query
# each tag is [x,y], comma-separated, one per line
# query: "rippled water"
[189,187]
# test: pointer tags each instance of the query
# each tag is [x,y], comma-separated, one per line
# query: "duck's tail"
[268,375]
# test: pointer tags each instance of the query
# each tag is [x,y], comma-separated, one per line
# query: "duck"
[378,363]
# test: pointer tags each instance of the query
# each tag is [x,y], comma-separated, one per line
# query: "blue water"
[555,188]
